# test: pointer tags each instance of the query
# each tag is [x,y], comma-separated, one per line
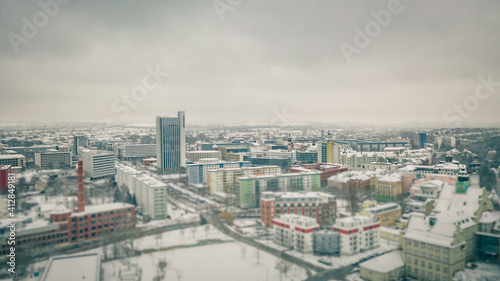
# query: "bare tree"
[353,199]
[181,232]
[207,229]
[193,231]
[243,250]
[158,237]
[257,248]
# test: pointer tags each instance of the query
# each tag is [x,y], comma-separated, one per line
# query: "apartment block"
[222,180]
[295,232]
[317,205]
[248,189]
[53,160]
[150,193]
[198,173]
[357,234]
[389,187]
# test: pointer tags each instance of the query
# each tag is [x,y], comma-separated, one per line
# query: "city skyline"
[300,60]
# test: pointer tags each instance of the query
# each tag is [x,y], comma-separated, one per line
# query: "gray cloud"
[263,55]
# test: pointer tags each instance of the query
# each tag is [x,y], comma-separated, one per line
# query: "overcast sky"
[248,61]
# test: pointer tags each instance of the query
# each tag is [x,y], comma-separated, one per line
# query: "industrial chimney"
[81,190]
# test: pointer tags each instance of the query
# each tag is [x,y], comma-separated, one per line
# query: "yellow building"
[389,187]
[389,266]
[223,180]
[386,214]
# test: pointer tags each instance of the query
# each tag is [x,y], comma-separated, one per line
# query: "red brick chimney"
[81,190]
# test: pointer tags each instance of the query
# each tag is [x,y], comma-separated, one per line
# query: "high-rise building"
[329,153]
[79,141]
[171,142]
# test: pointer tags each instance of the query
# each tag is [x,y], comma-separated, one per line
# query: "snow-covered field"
[226,260]
[213,262]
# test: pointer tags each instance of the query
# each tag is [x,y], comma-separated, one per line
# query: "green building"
[248,189]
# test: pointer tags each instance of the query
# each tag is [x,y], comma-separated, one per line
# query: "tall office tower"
[171,142]
[79,141]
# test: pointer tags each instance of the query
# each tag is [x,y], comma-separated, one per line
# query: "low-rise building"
[357,234]
[326,243]
[295,232]
[137,151]
[74,267]
[53,160]
[388,187]
[325,170]
[194,156]
[15,161]
[318,205]
[386,214]
[388,266]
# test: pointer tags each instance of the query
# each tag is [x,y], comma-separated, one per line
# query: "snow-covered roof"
[77,267]
[385,263]
[418,228]
[383,208]
[490,217]
[450,201]
[102,208]
[390,178]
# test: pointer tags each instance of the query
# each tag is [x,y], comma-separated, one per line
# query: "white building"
[150,193]
[194,156]
[295,232]
[129,151]
[357,234]
[98,164]
[53,160]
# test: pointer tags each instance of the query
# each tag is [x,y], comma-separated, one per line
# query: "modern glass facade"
[171,142]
